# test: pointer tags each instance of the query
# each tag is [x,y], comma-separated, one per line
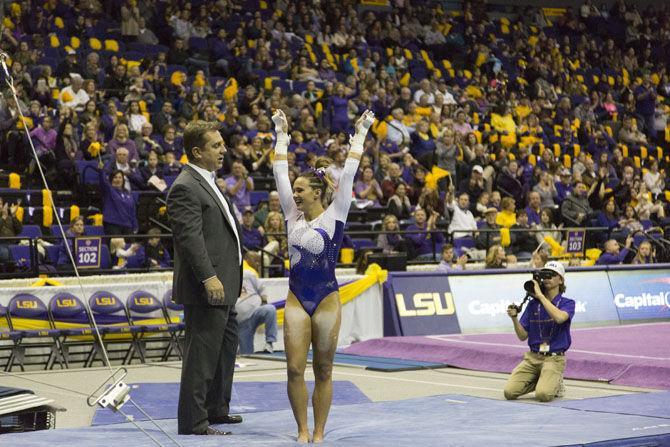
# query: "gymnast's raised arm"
[280,165]
[342,198]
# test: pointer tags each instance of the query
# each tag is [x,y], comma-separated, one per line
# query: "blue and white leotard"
[314,246]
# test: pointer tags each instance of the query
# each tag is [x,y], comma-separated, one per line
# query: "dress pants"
[207,367]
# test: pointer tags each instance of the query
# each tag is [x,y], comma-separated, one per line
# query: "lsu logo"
[105,301]
[144,300]
[426,304]
[31,304]
[66,302]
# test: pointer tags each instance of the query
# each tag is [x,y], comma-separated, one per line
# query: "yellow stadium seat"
[637,162]
[446,64]
[95,44]
[75,42]
[567,161]
[643,152]
[14,180]
[557,150]
[659,153]
[408,54]
[267,83]
[624,150]
[53,41]
[532,159]
[263,4]
[576,150]
[309,39]
[58,22]
[111,45]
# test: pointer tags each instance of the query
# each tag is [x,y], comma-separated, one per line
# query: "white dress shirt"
[210,178]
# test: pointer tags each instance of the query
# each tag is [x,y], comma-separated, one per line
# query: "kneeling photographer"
[546,325]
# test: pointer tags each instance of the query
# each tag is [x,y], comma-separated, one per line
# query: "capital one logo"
[645,299]
[426,304]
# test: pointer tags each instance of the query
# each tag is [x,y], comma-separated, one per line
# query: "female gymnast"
[313,310]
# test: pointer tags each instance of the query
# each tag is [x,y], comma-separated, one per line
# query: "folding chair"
[146,311]
[174,314]
[8,338]
[69,315]
[110,315]
[28,315]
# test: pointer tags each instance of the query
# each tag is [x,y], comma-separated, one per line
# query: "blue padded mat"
[373,363]
[641,404]
[159,400]
[445,421]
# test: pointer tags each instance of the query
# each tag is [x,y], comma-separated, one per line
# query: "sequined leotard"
[314,246]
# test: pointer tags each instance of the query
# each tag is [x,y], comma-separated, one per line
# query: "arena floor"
[69,388]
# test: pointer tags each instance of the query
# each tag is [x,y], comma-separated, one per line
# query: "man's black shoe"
[211,431]
[226,419]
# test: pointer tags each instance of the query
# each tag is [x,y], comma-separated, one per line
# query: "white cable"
[10,82]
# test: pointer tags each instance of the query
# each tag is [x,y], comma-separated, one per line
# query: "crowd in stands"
[489,124]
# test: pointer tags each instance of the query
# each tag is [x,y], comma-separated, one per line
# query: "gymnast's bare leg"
[297,337]
[325,329]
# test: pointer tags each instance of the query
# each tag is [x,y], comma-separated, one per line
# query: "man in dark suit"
[207,281]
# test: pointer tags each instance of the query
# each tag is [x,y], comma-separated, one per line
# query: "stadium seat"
[143,306]
[112,320]
[68,314]
[31,231]
[25,313]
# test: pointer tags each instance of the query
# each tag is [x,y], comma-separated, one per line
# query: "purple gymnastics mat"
[633,355]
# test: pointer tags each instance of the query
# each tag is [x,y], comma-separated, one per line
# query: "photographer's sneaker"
[561,389]
[268,348]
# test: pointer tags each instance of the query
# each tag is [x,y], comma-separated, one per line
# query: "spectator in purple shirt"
[118,204]
[252,238]
[239,186]
[425,243]
[534,207]
[121,140]
[613,253]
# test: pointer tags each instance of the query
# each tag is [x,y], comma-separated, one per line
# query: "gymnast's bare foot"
[317,437]
[303,437]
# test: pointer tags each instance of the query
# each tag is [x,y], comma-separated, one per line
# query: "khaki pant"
[536,372]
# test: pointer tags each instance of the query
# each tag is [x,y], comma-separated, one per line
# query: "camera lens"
[529,286]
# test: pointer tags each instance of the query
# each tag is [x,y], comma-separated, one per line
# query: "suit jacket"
[204,241]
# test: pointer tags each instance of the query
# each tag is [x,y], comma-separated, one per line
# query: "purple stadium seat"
[25,306]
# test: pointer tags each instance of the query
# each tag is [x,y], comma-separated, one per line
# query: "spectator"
[154,255]
[489,233]
[367,188]
[564,186]
[273,205]
[548,227]
[426,239]
[239,186]
[121,140]
[447,265]
[522,242]
[253,309]
[576,209]
[613,254]
[463,222]
[74,96]
[118,204]
[495,258]
[645,254]
[76,230]
[546,188]
[534,207]
[252,238]
[399,204]
[275,234]
[655,179]
[10,226]
[393,241]
[507,216]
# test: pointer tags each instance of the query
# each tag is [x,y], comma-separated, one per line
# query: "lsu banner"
[419,304]
[641,295]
